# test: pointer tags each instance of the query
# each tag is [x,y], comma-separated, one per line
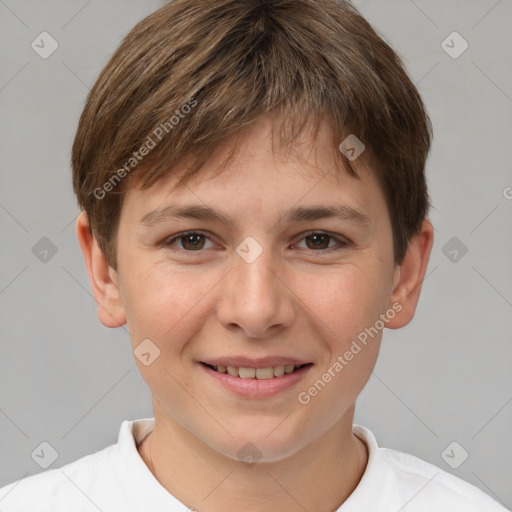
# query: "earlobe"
[410,274]
[103,278]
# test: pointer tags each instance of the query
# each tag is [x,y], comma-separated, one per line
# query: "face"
[245,270]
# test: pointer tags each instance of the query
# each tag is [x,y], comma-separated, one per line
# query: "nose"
[255,298]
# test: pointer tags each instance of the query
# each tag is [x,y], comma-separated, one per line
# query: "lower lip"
[257,388]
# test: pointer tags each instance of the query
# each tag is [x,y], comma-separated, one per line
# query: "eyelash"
[342,243]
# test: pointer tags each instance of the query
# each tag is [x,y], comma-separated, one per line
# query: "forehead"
[255,165]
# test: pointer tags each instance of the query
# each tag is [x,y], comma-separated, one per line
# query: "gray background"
[446,377]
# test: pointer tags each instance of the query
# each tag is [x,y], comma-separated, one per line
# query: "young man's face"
[260,290]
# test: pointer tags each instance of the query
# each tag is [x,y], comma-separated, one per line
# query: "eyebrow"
[297,214]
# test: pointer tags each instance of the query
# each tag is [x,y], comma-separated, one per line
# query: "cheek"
[345,301]
[346,308]
[169,308]
[349,306]
[166,306]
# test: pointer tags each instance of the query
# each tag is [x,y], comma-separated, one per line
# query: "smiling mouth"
[270,372]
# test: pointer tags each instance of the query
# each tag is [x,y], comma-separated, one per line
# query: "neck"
[319,477]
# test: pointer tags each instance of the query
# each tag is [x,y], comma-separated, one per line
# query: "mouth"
[256,378]
[261,373]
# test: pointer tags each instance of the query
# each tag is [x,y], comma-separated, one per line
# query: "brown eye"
[318,241]
[193,241]
[190,242]
[322,242]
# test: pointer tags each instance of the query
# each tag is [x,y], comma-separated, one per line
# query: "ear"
[409,276]
[103,278]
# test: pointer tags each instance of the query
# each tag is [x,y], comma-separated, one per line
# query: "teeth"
[259,373]
[247,373]
[232,370]
[264,373]
[289,368]
[278,371]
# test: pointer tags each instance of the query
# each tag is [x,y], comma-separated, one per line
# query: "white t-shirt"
[116,479]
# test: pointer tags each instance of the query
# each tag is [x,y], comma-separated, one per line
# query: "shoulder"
[114,479]
[434,487]
[57,488]
[104,480]
[414,485]
[425,485]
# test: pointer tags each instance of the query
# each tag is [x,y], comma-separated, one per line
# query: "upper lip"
[253,362]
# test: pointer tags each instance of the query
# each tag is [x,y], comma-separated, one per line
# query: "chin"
[267,443]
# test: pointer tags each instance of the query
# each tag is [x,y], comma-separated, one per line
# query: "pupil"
[319,241]
[193,241]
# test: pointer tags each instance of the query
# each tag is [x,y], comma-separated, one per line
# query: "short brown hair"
[229,62]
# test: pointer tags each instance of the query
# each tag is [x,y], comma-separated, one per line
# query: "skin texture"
[294,300]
